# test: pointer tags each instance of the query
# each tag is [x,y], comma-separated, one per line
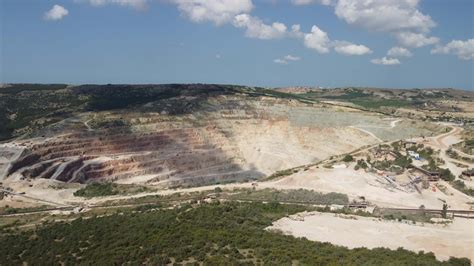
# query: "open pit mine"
[223,175]
[197,136]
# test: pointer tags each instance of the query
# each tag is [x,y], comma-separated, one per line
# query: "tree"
[348,158]
[362,164]
[446,174]
[444,213]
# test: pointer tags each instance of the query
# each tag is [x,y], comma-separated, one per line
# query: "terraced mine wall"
[188,141]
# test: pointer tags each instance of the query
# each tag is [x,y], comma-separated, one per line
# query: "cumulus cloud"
[415,40]
[308,2]
[384,15]
[237,12]
[463,49]
[137,4]
[401,18]
[286,59]
[256,28]
[385,61]
[57,12]
[348,48]
[296,31]
[317,40]
[217,11]
[233,11]
[399,52]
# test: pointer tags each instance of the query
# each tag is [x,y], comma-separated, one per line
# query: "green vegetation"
[28,108]
[377,104]
[446,174]
[386,101]
[402,161]
[459,185]
[214,234]
[21,105]
[276,94]
[455,155]
[22,87]
[362,98]
[122,96]
[397,165]
[349,94]
[97,190]
[399,215]
[397,145]
[361,164]
[382,165]
[425,153]
[348,158]
[282,173]
[10,210]
[431,166]
[467,146]
[444,213]
[293,196]
[108,189]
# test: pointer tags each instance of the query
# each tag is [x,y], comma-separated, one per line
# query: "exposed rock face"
[190,141]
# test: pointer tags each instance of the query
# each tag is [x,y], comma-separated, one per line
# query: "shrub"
[403,161]
[361,164]
[97,190]
[348,158]
[446,174]
[459,185]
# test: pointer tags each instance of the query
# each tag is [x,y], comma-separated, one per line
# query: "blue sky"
[250,42]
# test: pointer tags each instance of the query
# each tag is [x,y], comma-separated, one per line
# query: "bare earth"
[456,239]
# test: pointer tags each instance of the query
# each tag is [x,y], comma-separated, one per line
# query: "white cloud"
[384,15]
[237,12]
[416,40]
[292,58]
[348,48]
[385,61]
[308,2]
[286,59]
[218,56]
[401,18]
[57,12]
[317,40]
[463,49]
[255,28]
[296,31]
[399,52]
[280,61]
[217,11]
[137,4]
